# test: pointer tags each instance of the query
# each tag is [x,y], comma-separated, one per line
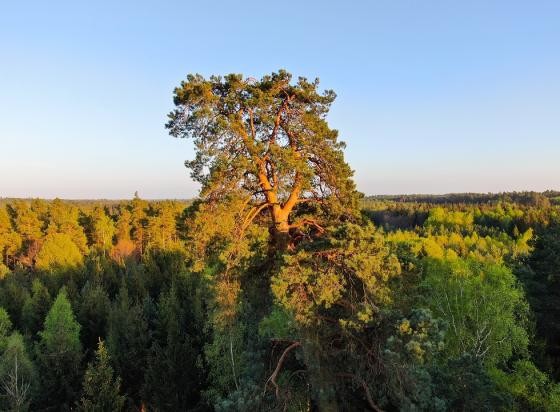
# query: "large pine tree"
[267,158]
[267,143]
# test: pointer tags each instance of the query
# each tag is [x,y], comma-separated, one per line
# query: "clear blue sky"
[433,96]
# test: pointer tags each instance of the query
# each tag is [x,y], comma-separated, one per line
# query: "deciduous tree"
[58,252]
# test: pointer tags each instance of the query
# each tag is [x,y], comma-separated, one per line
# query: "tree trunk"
[281,238]
[280,231]
[323,393]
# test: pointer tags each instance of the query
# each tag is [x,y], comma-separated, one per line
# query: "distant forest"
[280,287]
[94,291]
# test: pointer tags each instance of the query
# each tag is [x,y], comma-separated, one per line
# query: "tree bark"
[280,230]
[281,237]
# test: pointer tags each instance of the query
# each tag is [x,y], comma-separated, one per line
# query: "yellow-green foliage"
[503,215]
[10,240]
[418,337]
[103,229]
[449,244]
[219,235]
[448,334]
[439,217]
[58,252]
[26,222]
[352,273]
[63,218]
[531,388]
[162,230]
[4,270]
[483,305]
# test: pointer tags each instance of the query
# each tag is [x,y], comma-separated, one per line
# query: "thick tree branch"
[310,222]
[294,195]
[272,378]
[252,123]
[272,138]
[252,214]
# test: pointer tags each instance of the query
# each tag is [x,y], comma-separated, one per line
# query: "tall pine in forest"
[101,389]
[59,354]
[265,147]
[27,223]
[266,158]
[138,222]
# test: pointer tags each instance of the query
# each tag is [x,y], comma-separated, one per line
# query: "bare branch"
[272,378]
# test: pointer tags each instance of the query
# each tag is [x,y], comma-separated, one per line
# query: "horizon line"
[154,199]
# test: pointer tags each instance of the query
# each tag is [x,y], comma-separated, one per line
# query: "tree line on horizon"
[280,288]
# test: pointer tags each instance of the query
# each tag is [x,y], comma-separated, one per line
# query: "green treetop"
[58,251]
[61,331]
[101,392]
[64,218]
[103,229]
[27,223]
[10,240]
[267,142]
[59,354]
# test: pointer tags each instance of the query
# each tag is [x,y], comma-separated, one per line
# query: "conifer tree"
[128,342]
[30,228]
[5,328]
[101,389]
[162,226]
[266,156]
[174,357]
[59,354]
[36,307]
[93,314]
[41,209]
[267,144]
[123,225]
[138,222]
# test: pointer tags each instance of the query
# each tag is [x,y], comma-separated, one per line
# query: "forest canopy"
[280,287]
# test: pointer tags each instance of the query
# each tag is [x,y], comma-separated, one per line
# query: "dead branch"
[274,375]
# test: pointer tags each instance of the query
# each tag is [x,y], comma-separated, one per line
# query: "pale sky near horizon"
[433,96]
